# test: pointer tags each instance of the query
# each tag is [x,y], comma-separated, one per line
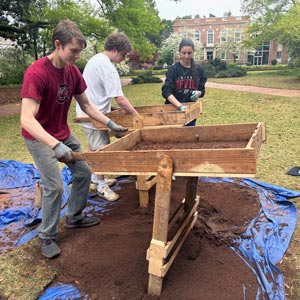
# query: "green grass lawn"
[280,114]
[280,153]
[286,79]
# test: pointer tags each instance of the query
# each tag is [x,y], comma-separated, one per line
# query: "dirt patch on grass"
[109,261]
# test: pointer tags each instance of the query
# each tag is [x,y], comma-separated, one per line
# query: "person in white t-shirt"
[103,85]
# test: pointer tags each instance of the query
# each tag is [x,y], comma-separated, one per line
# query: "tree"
[170,48]
[232,43]
[287,30]
[273,20]
[30,22]
[140,21]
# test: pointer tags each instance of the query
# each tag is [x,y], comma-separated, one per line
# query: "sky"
[169,9]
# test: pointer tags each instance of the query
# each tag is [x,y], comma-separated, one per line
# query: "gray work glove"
[63,153]
[195,96]
[182,108]
[115,127]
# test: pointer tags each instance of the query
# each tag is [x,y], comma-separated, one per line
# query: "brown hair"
[186,42]
[117,41]
[65,31]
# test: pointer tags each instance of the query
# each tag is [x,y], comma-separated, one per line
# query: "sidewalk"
[15,108]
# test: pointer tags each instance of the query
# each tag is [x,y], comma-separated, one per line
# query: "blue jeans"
[50,172]
[192,123]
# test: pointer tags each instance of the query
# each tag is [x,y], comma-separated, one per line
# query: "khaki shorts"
[96,138]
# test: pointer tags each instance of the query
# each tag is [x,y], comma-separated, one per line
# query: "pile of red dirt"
[109,261]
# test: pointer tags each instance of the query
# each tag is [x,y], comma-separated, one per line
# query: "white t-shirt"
[103,84]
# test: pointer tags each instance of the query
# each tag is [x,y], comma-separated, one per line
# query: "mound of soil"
[109,261]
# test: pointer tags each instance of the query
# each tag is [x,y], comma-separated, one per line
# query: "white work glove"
[182,108]
[195,96]
[115,127]
[63,153]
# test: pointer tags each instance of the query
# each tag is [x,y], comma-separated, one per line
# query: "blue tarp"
[262,246]
[268,236]
[18,221]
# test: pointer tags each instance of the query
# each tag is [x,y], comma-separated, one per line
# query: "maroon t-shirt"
[53,89]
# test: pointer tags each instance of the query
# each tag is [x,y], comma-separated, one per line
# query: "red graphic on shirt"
[186,83]
[63,93]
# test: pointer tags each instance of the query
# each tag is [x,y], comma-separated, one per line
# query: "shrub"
[232,72]
[145,78]
[209,70]
[274,62]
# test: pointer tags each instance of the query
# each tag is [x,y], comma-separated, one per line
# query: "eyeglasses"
[188,53]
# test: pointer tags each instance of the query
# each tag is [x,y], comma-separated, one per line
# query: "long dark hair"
[187,42]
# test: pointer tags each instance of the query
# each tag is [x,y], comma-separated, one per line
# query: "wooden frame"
[118,158]
[151,116]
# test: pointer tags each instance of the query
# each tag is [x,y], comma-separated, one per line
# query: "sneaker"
[107,194]
[49,248]
[110,181]
[93,187]
[82,223]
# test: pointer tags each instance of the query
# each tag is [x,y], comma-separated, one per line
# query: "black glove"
[115,127]
[63,153]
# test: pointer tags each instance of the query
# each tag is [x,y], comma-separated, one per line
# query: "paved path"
[254,89]
[15,108]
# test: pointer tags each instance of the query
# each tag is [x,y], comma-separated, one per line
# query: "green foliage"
[146,77]
[220,69]
[274,20]
[12,66]
[140,21]
[232,72]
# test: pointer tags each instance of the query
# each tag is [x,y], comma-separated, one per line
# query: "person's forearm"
[34,128]
[95,114]
[172,99]
[124,103]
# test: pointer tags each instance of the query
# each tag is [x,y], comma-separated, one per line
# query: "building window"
[184,34]
[210,37]
[223,36]
[237,35]
[278,54]
[223,55]
[197,35]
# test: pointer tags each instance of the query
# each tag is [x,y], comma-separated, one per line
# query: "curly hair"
[118,41]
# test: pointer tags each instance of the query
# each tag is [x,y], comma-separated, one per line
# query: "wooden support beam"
[162,199]
[160,223]
[190,192]
[143,184]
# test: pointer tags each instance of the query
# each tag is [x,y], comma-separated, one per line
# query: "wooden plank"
[143,185]
[162,199]
[155,285]
[182,228]
[145,182]
[157,115]
[190,192]
[207,133]
[203,161]
[172,258]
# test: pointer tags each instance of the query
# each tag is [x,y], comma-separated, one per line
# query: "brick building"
[222,38]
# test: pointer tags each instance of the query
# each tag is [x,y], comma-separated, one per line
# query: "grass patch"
[22,275]
[20,268]
[283,79]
